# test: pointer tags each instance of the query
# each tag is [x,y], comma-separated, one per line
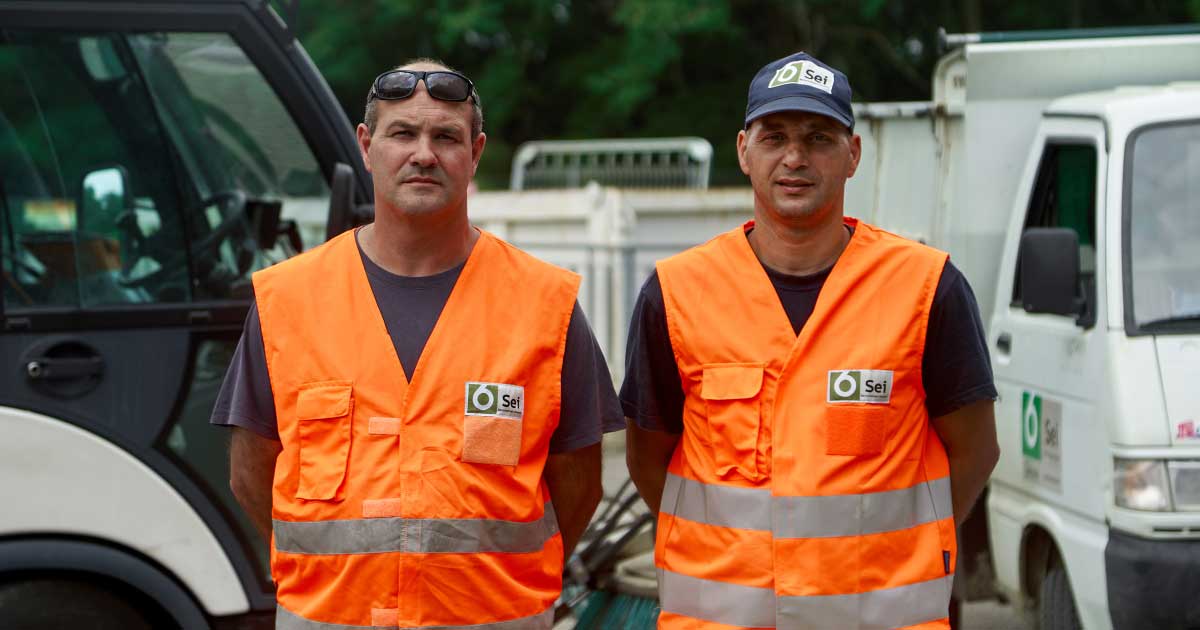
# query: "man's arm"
[251,475]
[573,479]
[969,435]
[647,454]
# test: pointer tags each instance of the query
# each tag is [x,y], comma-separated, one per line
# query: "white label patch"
[804,73]
[859,386]
[495,399]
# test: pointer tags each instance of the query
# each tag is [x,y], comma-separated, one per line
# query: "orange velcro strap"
[383,426]
[385,617]
[382,508]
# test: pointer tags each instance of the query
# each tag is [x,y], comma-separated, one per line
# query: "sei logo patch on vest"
[803,73]
[860,386]
[495,399]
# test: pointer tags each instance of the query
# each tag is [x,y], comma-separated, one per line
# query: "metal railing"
[644,163]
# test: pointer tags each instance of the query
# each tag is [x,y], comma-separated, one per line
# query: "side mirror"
[1050,272]
[341,201]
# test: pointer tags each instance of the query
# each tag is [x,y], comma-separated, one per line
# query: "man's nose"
[795,156]
[424,156]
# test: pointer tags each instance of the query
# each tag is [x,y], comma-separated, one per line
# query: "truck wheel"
[1056,602]
[52,602]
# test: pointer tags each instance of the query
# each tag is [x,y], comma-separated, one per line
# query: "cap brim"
[798,104]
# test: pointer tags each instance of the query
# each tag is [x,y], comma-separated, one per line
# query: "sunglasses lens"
[397,84]
[447,86]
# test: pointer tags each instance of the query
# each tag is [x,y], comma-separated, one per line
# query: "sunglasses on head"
[441,84]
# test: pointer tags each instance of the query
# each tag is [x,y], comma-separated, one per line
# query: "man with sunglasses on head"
[418,405]
[809,397]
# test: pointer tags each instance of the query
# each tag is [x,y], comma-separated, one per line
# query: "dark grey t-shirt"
[410,307]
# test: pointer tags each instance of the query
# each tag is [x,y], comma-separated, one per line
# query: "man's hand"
[251,475]
[647,454]
[969,435]
[573,479]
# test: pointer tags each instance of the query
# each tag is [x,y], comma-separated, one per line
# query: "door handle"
[51,369]
[1004,343]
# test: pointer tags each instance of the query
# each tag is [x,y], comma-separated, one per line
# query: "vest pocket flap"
[731,381]
[319,401]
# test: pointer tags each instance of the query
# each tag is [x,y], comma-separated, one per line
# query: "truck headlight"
[1185,484]
[1141,484]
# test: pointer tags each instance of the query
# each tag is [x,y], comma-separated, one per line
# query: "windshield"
[143,168]
[1164,227]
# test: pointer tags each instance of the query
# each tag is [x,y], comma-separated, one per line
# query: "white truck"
[1063,176]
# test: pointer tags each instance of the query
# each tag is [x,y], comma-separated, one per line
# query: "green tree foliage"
[641,68]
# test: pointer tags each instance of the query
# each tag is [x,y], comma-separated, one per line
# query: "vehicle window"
[142,168]
[1164,226]
[1064,195]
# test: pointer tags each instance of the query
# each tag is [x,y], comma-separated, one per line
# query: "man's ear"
[742,139]
[855,154]
[477,150]
[364,144]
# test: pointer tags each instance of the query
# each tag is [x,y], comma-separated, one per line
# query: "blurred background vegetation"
[558,69]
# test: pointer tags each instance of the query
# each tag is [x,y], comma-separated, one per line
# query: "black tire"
[1056,601]
[38,603]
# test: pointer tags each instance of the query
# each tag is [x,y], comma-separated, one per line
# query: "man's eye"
[401,133]
[820,137]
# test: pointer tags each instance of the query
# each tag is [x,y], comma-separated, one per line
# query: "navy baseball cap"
[800,83]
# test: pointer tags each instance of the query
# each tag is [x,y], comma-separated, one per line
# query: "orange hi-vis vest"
[808,489]
[415,505]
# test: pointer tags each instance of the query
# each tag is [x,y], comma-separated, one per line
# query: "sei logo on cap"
[495,399]
[860,386]
[804,73]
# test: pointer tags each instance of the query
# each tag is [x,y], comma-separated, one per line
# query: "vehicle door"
[151,156]
[1049,368]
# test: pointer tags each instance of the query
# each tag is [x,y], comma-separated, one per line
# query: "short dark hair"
[371,117]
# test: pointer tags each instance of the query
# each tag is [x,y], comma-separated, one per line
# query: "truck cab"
[153,155]
[1094,509]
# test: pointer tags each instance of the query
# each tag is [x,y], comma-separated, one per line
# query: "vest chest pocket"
[856,429]
[732,404]
[324,414]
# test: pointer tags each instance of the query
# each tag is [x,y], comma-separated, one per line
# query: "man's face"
[798,163]
[421,156]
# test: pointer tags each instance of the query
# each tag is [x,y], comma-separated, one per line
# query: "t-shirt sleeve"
[956,369]
[652,394]
[589,402]
[245,399]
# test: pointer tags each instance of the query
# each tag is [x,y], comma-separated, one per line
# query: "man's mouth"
[417,179]
[794,185]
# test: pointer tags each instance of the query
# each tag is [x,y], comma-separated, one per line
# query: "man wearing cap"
[418,405]
[809,398]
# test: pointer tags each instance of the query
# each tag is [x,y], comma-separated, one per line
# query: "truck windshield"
[142,168]
[1163,212]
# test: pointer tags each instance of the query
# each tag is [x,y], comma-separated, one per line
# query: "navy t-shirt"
[955,370]
[410,307]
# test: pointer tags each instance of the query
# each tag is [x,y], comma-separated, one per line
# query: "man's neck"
[418,246]
[798,251]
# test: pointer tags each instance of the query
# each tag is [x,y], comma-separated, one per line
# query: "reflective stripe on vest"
[900,606]
[415,535]
[808,517]
[748,606]
[720,602]
[288,620]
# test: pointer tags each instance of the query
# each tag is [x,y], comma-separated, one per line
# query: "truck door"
[150,158]
[1047,368]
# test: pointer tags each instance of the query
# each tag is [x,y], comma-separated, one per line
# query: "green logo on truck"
[1031,425]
